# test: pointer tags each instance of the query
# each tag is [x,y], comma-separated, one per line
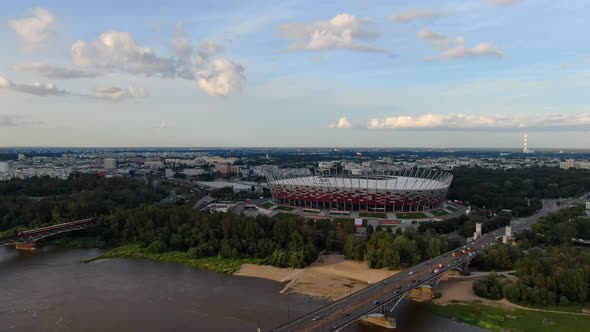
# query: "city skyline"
[357,74]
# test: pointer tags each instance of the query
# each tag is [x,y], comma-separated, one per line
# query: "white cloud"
[182,46]
[221,77]
[502,2]
[206,51]
[118,51]
[118,94]
[455,48]
[438,41]
[37,89]
[480,122]
[343,31]
[34,30]
[343,123]
[54,72]
[14,121]
[49,89]
[481,49]
[413,15]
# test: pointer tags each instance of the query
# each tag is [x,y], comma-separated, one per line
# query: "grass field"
[439,212]
[451,208]
[372,214]
[516,320]
[267,205]
[411,215]
[215,264]
[284,208]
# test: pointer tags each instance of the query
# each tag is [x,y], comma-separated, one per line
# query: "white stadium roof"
[394,183]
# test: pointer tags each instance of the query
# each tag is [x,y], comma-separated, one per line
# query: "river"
[49,290]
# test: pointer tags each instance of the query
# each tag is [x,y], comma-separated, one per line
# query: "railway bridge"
[25,240]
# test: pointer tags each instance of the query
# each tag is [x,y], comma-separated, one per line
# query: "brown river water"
[49,290]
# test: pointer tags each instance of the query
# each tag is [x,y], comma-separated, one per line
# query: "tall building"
[110,163]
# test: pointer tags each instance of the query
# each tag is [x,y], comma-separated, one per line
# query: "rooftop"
[387,183]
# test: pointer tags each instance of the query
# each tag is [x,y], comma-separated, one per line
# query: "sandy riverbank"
[331,276]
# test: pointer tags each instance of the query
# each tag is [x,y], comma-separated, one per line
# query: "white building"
[572,163]
[326,164]
[4,167]
[154,163]
[193,171]
[168,173]
[220,160]
[110,163]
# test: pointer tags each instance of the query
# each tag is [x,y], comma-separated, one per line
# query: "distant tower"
[526,144]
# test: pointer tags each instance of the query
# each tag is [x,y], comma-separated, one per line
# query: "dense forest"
[284,241]
[550,270]
[517,189]
[41,201]
[127,214]
[389,249]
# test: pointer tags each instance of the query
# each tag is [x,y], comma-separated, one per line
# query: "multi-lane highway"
[344,312]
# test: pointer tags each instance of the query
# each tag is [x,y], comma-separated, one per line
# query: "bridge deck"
[33,235]
[339,314]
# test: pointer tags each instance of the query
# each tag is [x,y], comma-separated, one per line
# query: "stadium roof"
[394,183]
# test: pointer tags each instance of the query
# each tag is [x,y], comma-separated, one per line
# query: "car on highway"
[376,302]
[316,318]
[411,272]
[347,314]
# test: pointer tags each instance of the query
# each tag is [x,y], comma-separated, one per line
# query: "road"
[344,312]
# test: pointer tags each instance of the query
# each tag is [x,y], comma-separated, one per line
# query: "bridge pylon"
[25,246]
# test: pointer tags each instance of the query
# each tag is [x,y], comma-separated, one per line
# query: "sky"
[344,73]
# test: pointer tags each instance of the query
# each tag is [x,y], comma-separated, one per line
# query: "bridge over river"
[383,297]
[25,239]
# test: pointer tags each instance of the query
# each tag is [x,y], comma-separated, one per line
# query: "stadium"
[414,189]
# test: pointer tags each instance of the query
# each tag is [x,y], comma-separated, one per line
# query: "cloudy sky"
[370,73]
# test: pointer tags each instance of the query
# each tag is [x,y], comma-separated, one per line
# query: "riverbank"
[77,243]
[331,276]
[498,318]
[459,302]
[214,264]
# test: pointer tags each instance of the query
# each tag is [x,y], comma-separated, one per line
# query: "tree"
[156,247]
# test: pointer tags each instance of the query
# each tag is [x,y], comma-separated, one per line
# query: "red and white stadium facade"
[413,189]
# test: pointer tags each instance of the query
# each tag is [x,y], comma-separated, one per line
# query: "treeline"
[283,241]
[392,250]
[559,276]
[550,270]
[127,214]
[499,189]
[42,201]
[500,257]
[465,225]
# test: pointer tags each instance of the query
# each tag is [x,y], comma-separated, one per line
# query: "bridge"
[25,239]
[384,296]
[581,241]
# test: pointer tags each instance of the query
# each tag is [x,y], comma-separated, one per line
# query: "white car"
[411,272]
